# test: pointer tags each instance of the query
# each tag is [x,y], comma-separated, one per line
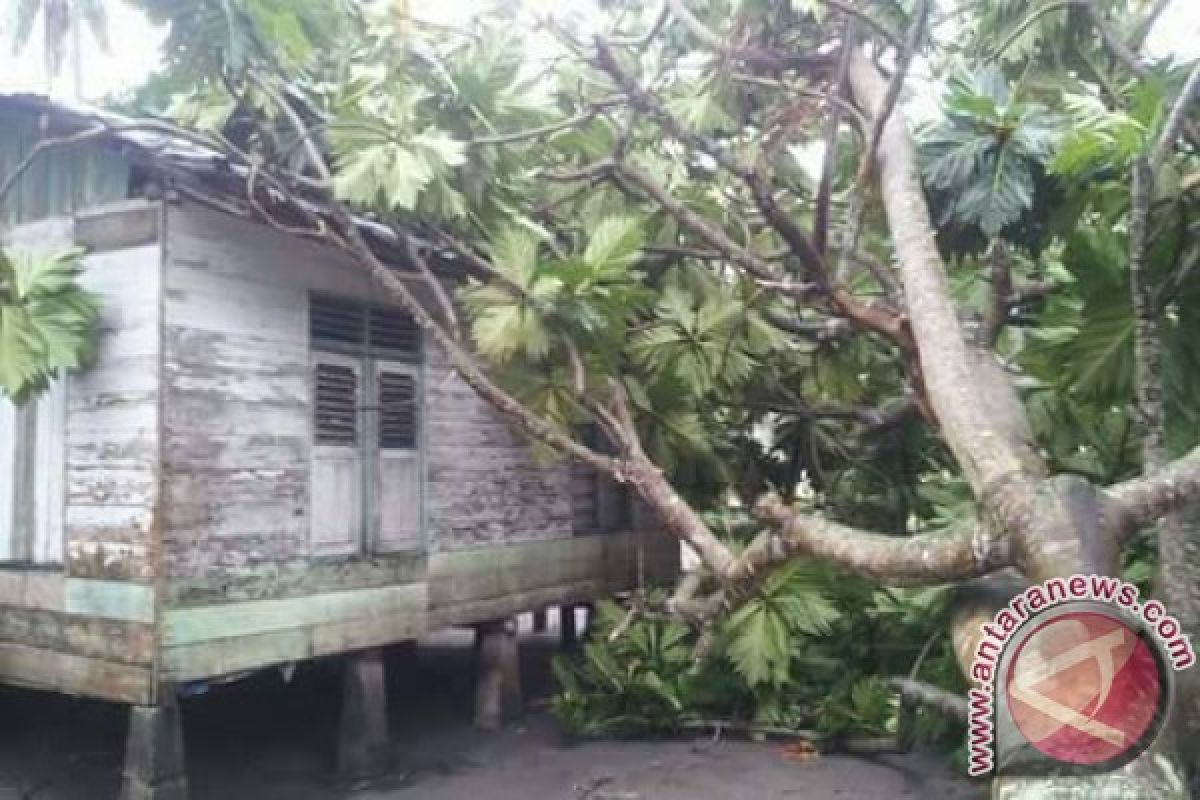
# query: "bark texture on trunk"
[1179,532]
[991,460]
[1058,527]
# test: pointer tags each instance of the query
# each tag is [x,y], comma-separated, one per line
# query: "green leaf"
[47,321]
[615,243]
[514,253]
[760,645]
[701,111]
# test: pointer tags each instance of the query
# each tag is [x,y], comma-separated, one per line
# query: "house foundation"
[498,673]
[362,731]
[154,760]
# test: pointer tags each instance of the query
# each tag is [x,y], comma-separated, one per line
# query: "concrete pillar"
[498,673]
[362,731]
[154,761]
[539,621]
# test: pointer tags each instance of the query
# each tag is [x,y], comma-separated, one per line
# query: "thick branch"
[823,331]
[1143,500]
[989,458]
[919,693]
[884,112]
[923,559]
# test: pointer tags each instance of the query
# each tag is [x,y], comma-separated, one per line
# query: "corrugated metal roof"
[154,145]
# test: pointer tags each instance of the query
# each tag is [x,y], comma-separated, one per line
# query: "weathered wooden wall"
[484,484]
[237,418]
[243,587]
[87,626]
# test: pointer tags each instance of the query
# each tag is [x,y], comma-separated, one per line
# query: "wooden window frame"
[370,360]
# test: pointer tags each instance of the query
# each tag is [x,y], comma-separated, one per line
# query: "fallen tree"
[644,245]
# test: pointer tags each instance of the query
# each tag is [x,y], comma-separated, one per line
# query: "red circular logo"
[1085,688]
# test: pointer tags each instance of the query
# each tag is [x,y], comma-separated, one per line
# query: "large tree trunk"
[1179,533]
[1059,527]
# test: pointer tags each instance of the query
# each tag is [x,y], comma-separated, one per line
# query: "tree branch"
[996,314]
[884,112]
[758,57]
[923,694]
[756,265]
[1141,501]
[1138,40]
[1176,120]
[823,331]
[676,516]
[1149,406]
[982,445]
[872,23]
[922,559]
[868,316]
[539,132]
[435,286]
[1130,59]
[832,127]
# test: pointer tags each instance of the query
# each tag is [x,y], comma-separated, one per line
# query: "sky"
[135,45]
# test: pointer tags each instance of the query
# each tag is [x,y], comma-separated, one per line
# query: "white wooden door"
[336,492]
[397,475]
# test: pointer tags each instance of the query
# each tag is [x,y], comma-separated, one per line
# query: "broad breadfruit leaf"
[47,320]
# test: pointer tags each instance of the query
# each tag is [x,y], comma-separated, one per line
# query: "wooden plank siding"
[237,443]
[244,586]
[112,439]
[86,626]
[109,438]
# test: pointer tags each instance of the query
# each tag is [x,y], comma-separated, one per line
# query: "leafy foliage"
[984,158]
[470,131]
[802,653]
[47,321]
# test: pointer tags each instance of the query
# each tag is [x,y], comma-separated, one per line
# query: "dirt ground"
[267,739]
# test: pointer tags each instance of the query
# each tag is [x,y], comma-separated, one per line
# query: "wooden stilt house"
[264,465]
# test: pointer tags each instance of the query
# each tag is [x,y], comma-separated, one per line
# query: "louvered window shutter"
[397,485]
[392,332]
[336,493]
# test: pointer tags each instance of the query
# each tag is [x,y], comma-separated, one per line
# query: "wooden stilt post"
[539,621]
[566,625]
[363,733]
[154,762]
[498,673]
